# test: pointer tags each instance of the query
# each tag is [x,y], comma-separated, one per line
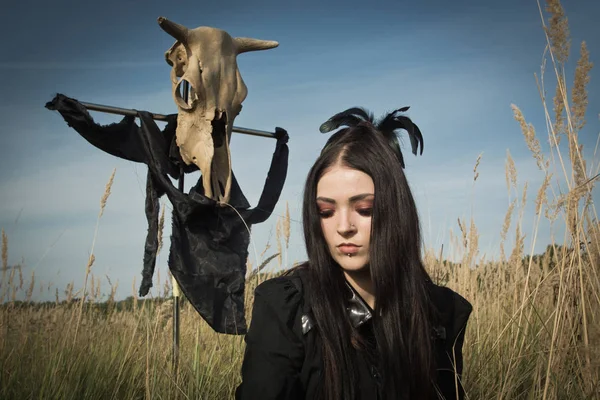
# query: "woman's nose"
[345,225]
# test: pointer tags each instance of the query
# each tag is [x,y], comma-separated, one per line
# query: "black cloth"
[209,242]
[281,363]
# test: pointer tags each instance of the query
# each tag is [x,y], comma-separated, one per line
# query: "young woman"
[361,319]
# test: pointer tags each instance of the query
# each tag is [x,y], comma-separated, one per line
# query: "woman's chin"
[353,264]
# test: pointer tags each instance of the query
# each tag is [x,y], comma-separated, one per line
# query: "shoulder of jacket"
[285,286]
[446,299]
[452,310]
[282,300]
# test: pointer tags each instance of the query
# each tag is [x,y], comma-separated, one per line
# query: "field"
[534,332]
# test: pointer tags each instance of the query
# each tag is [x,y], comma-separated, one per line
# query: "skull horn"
[179,32]
[247,44]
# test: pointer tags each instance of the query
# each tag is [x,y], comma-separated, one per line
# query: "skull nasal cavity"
[219,132]
[183,93]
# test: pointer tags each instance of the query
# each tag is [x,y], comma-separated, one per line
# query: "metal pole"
[176,295]
[162,117]
[176,292]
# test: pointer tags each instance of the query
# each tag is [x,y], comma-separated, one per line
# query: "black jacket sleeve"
[274,353]
[450,358]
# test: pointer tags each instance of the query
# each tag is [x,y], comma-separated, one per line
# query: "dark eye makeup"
[363,211]
[363,205]
[366,212]
[325,213]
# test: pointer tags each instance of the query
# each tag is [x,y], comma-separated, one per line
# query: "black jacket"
[283,358]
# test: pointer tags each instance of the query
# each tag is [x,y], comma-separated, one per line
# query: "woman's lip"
[348,249]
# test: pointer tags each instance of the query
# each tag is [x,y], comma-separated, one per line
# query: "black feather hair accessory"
[387,125]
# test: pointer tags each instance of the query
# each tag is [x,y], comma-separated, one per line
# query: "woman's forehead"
[343,183]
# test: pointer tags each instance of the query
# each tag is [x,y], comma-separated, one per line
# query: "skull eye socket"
[178,59]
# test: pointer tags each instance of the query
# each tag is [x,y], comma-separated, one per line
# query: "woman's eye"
[365,212]
[325,213]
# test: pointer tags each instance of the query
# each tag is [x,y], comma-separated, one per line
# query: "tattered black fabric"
[209,242]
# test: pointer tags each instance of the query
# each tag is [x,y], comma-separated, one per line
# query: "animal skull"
[205,57]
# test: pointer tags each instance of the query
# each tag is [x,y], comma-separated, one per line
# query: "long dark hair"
[401,317]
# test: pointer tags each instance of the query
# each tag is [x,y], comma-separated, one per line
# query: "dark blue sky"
[459,65]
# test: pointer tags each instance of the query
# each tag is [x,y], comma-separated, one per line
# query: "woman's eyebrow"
[359,197]
[325,200]
[353,199]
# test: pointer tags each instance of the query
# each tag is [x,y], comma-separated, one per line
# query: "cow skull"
[205,58]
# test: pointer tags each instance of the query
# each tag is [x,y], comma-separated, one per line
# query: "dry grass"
[534,331]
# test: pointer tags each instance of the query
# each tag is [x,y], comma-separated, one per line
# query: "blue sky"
[459,65]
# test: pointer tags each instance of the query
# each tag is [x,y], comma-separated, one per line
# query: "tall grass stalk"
[92,258]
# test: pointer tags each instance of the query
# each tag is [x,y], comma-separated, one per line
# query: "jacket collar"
[358,311]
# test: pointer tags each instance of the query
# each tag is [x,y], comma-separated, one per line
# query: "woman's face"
[345,203]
